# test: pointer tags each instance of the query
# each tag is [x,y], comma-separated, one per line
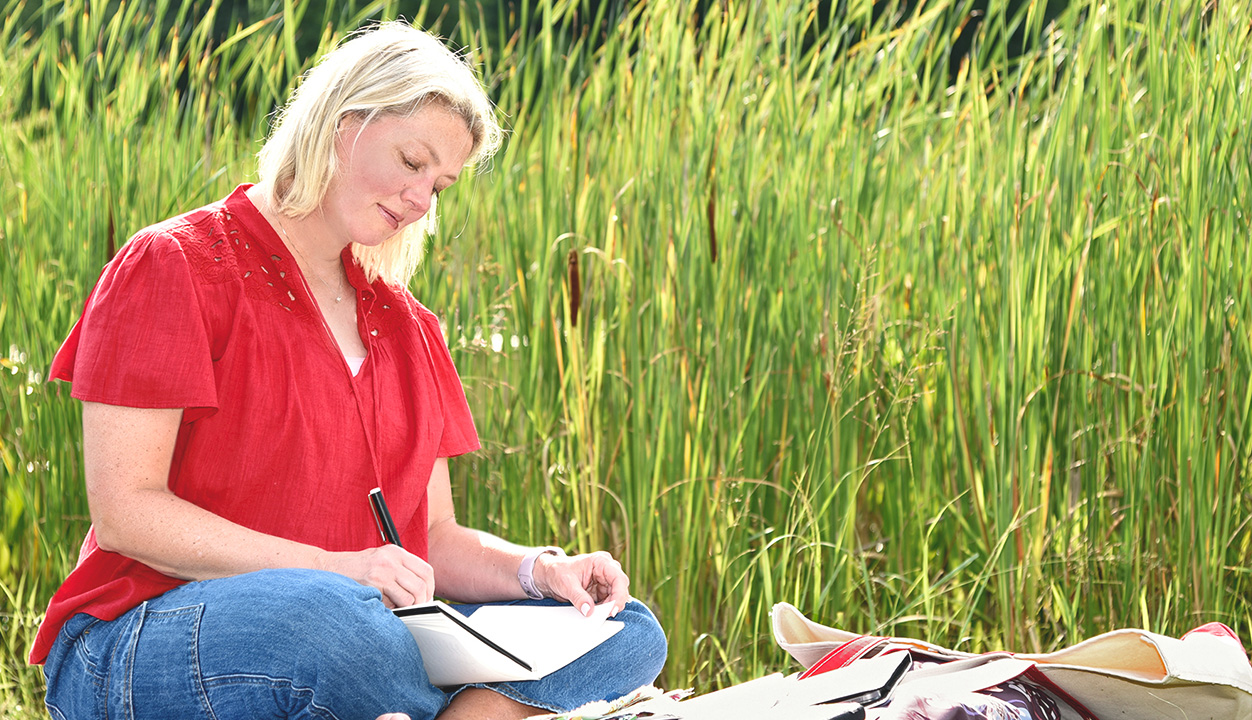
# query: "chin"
[375,240]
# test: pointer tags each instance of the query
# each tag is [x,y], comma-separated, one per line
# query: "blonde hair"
[393,69]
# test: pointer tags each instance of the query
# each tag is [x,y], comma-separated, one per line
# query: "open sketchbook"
[501,643]
[840,694]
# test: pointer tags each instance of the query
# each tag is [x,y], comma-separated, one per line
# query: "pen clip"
[382,517]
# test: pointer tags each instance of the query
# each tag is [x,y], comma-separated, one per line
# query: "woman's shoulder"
[423,314]
[402,306]
[218,242]
[200,237]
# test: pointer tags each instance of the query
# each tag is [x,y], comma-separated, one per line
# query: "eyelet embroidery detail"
[209,256]
[390,312]
[227,253]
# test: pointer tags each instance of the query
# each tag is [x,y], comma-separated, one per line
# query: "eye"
[412,165]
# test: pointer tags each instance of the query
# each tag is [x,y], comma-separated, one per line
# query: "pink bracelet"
[526,573]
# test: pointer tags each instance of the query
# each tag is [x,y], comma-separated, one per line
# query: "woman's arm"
[127,453]
[475,566]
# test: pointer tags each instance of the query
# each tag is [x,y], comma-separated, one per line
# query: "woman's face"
[390,169]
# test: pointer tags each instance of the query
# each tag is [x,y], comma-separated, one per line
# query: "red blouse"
[207,312]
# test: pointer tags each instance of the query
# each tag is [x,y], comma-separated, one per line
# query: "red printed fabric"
[208,312]
[845,654]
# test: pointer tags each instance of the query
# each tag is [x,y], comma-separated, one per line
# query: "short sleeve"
[142,340]
[459,434]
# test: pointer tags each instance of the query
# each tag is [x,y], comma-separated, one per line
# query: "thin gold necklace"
[291,243]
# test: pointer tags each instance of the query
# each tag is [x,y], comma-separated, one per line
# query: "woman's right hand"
[402,577]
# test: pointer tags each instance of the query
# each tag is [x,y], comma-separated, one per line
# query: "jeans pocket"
[76,668]
[156,671]
[86,650]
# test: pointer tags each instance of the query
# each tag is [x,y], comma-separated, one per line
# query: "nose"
[419,196]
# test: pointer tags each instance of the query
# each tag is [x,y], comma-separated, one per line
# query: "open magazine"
[502,643]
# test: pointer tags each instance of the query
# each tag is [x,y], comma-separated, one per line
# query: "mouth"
[392,219]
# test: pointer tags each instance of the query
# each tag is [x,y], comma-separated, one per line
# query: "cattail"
[110,238]
[712,212]
[711,209]
[575,288]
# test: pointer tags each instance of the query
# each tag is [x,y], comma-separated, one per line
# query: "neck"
[310,240]
[307,239]
[308,236]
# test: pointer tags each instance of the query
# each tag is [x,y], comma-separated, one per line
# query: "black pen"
[382,516]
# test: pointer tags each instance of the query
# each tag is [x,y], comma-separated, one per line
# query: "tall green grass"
[956,354]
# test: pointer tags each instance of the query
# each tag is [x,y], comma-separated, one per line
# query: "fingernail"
[586,608]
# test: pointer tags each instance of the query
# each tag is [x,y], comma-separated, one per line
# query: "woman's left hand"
[583,580]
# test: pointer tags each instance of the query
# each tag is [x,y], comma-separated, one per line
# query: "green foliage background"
[946,345]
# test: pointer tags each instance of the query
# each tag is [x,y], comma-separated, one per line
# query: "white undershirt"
[354,364]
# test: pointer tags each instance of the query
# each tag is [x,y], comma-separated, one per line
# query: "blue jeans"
[296,644]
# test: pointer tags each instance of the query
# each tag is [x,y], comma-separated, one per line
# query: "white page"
[857,678]
[748,701]
[547,638]
[453,657]
[529,625]
[765,698]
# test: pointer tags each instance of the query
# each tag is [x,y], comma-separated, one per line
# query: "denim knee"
[324,630]
[646,638]
[629,659]
[290,643]
[301,617]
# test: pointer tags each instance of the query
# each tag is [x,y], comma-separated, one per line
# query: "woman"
[248,372]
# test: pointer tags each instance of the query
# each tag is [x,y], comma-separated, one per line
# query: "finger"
[619,593]
[384,580]
[404,577]
[418,588]
[579,598]
[570,584]
[396,596]
[612,583]
[426,574]
[389,571]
